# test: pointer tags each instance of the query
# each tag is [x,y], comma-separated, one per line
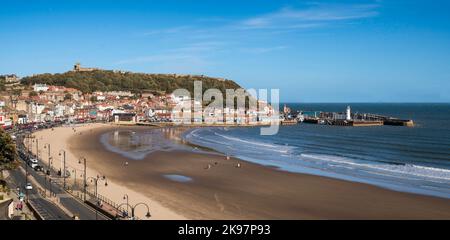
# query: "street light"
[63,172]
[134,207]
[49,158]
[84,176]
[26,165]
[37,147]
[50,182]
[75,184]
[95,180]
[125,196]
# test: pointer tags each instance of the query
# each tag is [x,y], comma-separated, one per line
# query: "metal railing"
[78,193]
[105,200]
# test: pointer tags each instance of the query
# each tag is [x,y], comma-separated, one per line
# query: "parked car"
[29,186]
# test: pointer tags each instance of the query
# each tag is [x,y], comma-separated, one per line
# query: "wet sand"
[59,139]
[224,191]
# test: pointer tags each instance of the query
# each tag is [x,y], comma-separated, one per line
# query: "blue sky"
[313,51]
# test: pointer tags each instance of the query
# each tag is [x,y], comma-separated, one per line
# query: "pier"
[352,120]
[289,122]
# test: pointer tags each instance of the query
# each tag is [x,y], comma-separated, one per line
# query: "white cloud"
[200,43]
[311,17]
[314,15]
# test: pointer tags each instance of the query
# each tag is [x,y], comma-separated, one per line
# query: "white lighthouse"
[349,113]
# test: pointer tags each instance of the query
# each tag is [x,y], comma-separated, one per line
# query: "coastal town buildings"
[41,103]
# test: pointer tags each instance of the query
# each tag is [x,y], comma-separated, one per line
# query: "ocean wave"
[403,169]
[212,136]
[247,142]
[273,147]
[203,139]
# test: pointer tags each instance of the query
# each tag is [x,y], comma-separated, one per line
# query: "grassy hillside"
[101,80]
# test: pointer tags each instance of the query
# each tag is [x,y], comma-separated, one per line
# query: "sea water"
[411,159]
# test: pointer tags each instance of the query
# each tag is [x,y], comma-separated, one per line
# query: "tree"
[8,152]
[2,84]
[68,96]
[17,92]
[32,94]
[101,80]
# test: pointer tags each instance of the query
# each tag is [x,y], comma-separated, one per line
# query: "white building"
[40,87]
[59,110]
[120,93]
[149,112]
[179,99]
[5,121]
[36,108]
[101,98]
[104,107]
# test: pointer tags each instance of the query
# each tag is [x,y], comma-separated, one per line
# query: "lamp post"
[134,207]
[26,165]
[37,148]
[63,172]
[95,180]
[26,160]
[50,188]
[75,184]
[84,175]
[49,158]
[47,146]
[69,172]
[46,186]
[126,197]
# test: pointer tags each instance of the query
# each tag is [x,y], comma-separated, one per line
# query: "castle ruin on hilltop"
[77,68]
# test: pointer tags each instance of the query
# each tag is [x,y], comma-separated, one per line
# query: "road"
[69,202]
[74,205]
[45,208]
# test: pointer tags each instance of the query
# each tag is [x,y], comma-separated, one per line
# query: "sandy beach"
[224,191]
[59,138]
